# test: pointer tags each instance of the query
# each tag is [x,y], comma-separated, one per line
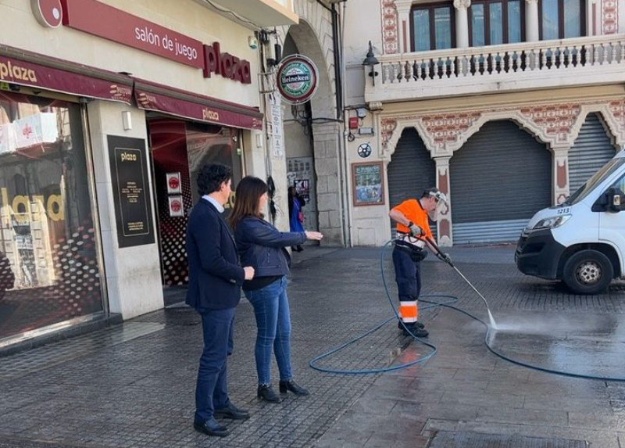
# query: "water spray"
[447,260]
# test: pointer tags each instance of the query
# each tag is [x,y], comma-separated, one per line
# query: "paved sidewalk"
[132,385]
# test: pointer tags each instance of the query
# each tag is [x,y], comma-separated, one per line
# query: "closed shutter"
[410,171]
[592,149]
[499,178]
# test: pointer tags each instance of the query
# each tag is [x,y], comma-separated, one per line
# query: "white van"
[581,241]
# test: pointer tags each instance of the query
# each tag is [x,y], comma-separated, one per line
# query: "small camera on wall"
[252,42]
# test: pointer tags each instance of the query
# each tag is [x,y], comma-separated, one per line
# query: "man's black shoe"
[417,332]
[211,427]
[232,412]
[411,324]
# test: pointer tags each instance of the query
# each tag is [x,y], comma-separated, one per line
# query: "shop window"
[433,27]
[49,271]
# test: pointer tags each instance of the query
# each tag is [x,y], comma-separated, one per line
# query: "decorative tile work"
[618,111]
[390,31]
[556,120]
[388,126]
[557,125]
[448,128]
[609,15]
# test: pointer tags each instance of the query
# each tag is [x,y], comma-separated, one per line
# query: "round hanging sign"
[364,150]
[297,79]
[48,13]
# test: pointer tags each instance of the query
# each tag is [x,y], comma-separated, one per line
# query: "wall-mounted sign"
[174,184]
[297,79]
[129,174]
[47,12]
[30,74]
[364,150]
[99,19]
[176,206]
[226,65]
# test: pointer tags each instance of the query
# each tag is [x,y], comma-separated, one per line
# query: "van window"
[596,179]
[620,183]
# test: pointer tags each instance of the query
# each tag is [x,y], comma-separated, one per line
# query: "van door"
[612,225]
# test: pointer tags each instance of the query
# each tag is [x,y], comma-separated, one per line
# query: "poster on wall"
[368,183]
[129,174]
[174,183]
[176,206]
[302,187]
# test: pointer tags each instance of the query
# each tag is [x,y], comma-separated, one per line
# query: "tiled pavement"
[131,385]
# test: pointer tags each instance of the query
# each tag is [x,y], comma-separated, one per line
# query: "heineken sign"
[297,79]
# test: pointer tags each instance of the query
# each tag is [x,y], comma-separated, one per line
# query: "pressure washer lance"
[446,259]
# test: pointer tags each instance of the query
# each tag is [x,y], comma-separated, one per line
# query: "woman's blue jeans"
[273,320]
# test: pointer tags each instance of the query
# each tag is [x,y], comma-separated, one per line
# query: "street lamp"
[371,61]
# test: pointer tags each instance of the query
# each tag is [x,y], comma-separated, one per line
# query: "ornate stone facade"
[556,125]
[609,13]
[390,31]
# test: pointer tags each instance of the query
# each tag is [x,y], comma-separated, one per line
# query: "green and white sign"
[297,79]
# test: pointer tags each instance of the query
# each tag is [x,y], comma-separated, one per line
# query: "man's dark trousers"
[407,276]
[212,382]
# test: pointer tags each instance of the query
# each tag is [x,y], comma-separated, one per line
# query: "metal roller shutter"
[499,179]
[592,149]
[411,169]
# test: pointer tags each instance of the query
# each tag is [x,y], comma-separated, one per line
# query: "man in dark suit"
[215,278]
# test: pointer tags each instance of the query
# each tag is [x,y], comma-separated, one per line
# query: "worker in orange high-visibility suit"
[413,230]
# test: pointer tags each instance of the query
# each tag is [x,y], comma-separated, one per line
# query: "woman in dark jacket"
[262,246]
[296,221]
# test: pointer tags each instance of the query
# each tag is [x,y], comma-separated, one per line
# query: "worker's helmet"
[436,194]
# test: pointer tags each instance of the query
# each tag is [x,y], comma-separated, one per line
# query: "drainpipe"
[339,74]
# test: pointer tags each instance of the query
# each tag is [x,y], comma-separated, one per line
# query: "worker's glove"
[415,230]
[445,257]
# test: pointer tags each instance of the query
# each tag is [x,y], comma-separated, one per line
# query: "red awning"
[159,98]
[34,70]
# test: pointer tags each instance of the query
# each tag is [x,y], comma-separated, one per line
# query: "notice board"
[129,174]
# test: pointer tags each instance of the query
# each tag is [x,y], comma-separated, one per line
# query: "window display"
[49,270]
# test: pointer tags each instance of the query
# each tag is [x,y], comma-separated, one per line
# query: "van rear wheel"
[588,272]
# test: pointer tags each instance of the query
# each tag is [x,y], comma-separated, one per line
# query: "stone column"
[462,23]
[531,21]
[443,224]
[560,174]
[327,168]
[403,25]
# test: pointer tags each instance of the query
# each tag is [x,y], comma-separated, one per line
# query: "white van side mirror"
[616,199]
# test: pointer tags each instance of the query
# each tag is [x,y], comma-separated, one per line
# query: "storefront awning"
[158,98]
[19,67]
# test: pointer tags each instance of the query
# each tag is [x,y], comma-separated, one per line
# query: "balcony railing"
[511,67]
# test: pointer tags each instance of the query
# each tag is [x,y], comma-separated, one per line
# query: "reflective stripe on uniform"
[409,311]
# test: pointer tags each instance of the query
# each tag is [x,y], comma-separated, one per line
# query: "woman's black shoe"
[291,386]
[265,392]
[299,248]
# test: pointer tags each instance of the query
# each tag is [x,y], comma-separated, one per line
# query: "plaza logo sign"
[297,79]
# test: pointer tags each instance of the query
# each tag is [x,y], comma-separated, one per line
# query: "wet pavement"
[132,385]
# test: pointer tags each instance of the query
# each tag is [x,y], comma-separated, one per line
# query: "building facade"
[507,106]
[107,110]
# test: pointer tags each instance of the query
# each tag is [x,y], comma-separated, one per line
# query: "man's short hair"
[211,176]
